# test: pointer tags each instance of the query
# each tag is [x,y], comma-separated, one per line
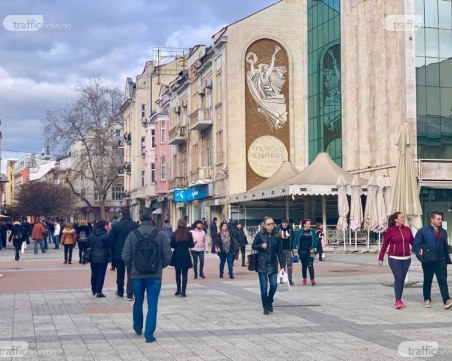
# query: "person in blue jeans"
[226,248]
[143,281]
[269,254]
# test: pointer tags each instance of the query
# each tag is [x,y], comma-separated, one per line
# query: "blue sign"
[191,194]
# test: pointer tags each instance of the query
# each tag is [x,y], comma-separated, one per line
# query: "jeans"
[41,244]
[98,271]
[56,239]
[229,257]
[307,262]
[440,270]
[399,268]
[184,273]
[121,270]
[320,250]
[287,255]
[196,255]
[68,252]
[152,287]
[82,246]
[268,283]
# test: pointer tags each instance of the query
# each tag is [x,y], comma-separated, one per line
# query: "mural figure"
[265,82]
[332,89]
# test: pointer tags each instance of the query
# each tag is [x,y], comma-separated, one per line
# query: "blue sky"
[84,38]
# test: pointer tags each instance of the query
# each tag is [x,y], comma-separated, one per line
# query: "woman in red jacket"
[399,239]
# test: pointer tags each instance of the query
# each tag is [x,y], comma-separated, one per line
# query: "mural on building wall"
[267,94]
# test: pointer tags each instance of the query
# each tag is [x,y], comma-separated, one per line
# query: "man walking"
[431,248]
[38,234]
[117,236]
[213,234]
[147,251]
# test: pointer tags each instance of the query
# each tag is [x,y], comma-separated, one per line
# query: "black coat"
[241,238]
[118,235]
[267,259]
[100,246]
[219,244]
[181,255]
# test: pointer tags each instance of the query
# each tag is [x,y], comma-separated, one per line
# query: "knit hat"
[182,222]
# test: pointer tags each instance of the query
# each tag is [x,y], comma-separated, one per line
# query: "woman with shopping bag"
[305,244]
[269,252]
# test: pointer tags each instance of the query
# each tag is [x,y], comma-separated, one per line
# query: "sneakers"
[313,282]
[448,304]
[130,299]
[304,281]
[291,282]
[100,295]
[151,340]
[427,304]
[118,294]
[403,305]
[398,304]
[202,276]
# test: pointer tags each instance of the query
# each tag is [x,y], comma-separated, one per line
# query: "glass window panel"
[431,13]
[419,7]
[446,102]
[445,43]
[432,74]
[420,42]
[445,13]
[433,101]
[421,101]
[446,73]
[431,42]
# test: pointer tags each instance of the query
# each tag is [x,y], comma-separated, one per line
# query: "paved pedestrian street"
[348,315]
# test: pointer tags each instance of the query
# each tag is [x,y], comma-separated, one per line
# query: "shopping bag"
[22,248]
[283,281]
[295,258]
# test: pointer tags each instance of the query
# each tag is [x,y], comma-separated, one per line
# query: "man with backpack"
[147,251]
[117,236]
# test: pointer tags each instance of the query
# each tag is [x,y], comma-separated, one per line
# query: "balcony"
[178,182]
[178,135]
[201,120]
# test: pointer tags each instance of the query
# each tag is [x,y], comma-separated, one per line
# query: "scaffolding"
[162,56]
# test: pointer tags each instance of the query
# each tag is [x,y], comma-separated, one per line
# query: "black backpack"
[146,255]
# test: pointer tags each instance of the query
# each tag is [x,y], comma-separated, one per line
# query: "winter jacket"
[57,230]
[168,230]
[399,240]
[199,240]
[213,230]
[69,237]
[100,246]
[81,229]
[181,255]
[304,247]
[425,239]
[234,247]
[17,235]
[268,259]
[286,241]
[241,238]
[129,250]
[38,232]
[119,233]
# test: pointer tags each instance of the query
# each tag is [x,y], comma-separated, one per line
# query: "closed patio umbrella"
[356,208]
[382,217]
[342,205]
[405,191]
[387,194]
[370,212]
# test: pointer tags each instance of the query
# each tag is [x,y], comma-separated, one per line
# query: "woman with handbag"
[181,242]
[226,248]
[269,252]
[305,243]
[82,239]
[68,240]
[100,246]
[399,239]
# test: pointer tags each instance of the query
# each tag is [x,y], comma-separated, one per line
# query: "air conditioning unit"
[201,91]
[208,83]
[184,103]
[176,109]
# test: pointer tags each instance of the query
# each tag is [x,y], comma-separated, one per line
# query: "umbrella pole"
[368,239]
[350,236]
[345,244]
[356,241]
[379,234]
[287,207]
[324,211]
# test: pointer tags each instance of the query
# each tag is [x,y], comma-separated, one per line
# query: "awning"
[157,211]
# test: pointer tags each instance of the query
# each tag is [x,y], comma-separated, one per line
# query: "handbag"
[87,255]
[295,258]
[252,261]
[430,255]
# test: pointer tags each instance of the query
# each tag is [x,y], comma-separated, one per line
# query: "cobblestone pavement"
[348,315]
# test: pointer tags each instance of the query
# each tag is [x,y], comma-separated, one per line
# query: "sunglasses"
[269,224]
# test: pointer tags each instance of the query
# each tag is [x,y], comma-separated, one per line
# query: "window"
[142,178]
[96,195]
[152,172]
[163,168]
[143,111]
[209,152]
[83,192]
[163,132]
[118,132]
[117,193]
[152,138]
[194,157]
[143,145]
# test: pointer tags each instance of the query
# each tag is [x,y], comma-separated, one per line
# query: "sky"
[47,46]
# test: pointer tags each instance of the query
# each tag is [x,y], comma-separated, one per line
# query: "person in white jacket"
[201,246]
[57,235]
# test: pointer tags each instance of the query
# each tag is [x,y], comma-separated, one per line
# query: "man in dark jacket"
[118,235]
[269,253]
[431,248]
[149,282]
[213,234]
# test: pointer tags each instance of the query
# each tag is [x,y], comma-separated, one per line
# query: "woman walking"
[200,246]
[226,247]
[285,236]
[82,239]
[68,240]
[242,242]
[181,242]
[100,257]
[321,238]
[399,239]
[305,243]
[17,236]
[269,252]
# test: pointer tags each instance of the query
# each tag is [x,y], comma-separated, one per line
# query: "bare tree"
[37,198]
[90,127]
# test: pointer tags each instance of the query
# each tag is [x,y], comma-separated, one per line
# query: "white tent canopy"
[285,172]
